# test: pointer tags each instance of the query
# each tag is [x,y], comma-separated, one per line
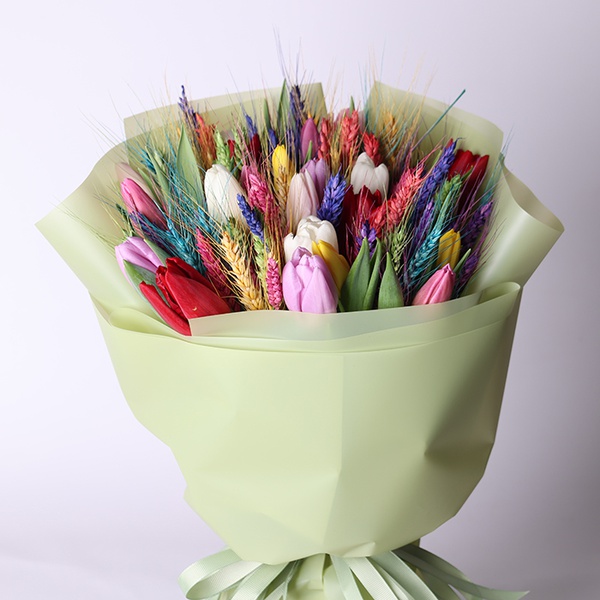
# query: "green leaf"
[390,292]
[267,115]
[375,263]
[162,255]
[137,274]
[357,282]
[188,169]
[161,175]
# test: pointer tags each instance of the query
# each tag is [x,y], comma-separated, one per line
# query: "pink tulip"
[308,285]
[138,202]
[137,252]
[438,287]
[319,173]
[302,200]
[309,139]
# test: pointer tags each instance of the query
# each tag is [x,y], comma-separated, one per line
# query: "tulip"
[449,249]
[366,174]
[221,189]
[138,202]
[302,200]
[318,169]
[310,229]
[336,263]
[281,162]
[473,165]
[438,287]
[181,293]
[309,139]
[124,171]
[138,253]
[308,285]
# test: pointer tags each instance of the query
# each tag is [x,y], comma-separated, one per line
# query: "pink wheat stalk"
[371,145]
[387,216]
[214,270]
[258,190]
[350,137]
[324,139]
[273,279]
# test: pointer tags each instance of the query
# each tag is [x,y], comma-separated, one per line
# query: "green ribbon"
[408,573]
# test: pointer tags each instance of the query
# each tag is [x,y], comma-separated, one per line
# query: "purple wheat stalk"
[333,199]
[253,221]
[436,176]
[366,231]
[476,226]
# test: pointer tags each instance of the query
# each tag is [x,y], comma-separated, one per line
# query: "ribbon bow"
[408,573]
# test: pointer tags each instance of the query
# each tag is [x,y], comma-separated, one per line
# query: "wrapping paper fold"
[347,434]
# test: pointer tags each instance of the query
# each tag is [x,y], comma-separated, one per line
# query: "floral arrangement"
[233,210]
[313,213]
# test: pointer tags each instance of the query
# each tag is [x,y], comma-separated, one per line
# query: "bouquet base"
[408,573]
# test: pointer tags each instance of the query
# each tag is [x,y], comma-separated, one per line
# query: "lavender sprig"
[333,199]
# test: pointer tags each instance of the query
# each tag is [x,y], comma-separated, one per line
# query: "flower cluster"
[309,211]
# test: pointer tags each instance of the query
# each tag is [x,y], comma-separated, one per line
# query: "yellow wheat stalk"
[249,294]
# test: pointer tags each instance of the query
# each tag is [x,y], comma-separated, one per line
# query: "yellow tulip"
[281,162]
[449,249]
[336,263]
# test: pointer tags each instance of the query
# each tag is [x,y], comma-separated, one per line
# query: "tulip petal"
[292,287]
[438,287]
[170,317]
[193,298]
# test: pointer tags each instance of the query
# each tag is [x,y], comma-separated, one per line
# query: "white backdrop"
[91,503]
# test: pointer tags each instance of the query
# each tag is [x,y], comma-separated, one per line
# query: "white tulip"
[310,229]
[302,200]
[221,189]
[366,174]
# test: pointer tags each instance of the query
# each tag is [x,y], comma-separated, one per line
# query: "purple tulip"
[308,285]
[438,287]
[138,202]
[309,138]
[319,173]
[137,252]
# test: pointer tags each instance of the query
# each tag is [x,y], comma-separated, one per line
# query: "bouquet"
[315,312]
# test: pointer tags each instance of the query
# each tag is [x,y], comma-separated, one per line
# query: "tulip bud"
[309,139]
[302,200]
[336,263]
[139,202]
[366,174]
[308,285]
[180,294]
[438,287]
[318,169]
[310,229]
[221,189]
[281,162]
[449,249]
[137,252]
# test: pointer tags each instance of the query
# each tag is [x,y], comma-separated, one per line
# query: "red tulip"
[182,294]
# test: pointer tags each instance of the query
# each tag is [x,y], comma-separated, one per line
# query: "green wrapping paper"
[346,434]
